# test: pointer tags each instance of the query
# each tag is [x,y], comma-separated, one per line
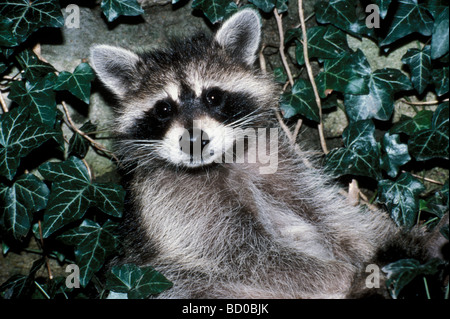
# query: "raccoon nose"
[193,141]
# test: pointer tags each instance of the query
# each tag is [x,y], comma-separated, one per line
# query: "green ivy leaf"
[379,103]
[440,80]
[21,286]
[37,96]
[33,67]
[347,74]
[340,13]
[73,193]
[7,38]
[403,271]
[78,83]
[439,38]
[383,6]
[433,142]
[93,244]
[28,16]
[138,283]
[112,9]
[360,154]
[401,198]
[411,125]
[78,145]
[419,63]
[25,197]
[19,135]
[265,5]
[282,5]
[214,10]
[396,154]
[410,17]
[300,100]
[324,42]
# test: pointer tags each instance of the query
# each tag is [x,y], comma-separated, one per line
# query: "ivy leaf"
[27,195]
[38,96]
[138,283]
[439,38]
[78,145]
[28,16]
[7,38]
[379,103]
[21,286]
[403,271]
[78,83]
[383,6]
[396,154]
[401,198]
[433,142]
[73,193]
[33,67]
[300,100]
[214,10]
[112,9]
[265,5]
[419,63]
[19,135]
[360,154]
[340,13]
[324,42]
[440,80]
[347,74]
[410,17]
[411,125]
[93,244]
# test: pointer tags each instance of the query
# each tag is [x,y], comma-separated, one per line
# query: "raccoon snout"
[193,141]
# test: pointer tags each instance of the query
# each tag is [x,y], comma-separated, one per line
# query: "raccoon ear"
[116,67]
[240,35]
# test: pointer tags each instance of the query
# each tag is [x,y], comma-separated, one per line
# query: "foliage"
[60,203]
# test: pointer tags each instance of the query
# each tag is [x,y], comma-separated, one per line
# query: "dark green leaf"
[401,198]
[411,125]
[396,154]
[347,74]
[78,145]
[383,6]
[340,13]
[360,154]
[279,75]
[28,16]
[73,193]
[300,101]
[6,36]
[410,17]
[37,96]
[439,39]
[19,135]
[27,196]
[214,10]
[33,67]
[419,63]
[433,142]
[440,80]
[138,283]
[403,271]
[20,286]
[436,6]
[282,5]
[379,103]
[93,244]
[115,8]
[78,83]
[438,203]
[265,5]
[324,42]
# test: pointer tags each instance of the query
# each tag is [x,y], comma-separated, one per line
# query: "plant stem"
[426,287]
[281,48]
[3,103]
[42,290]
[311,75]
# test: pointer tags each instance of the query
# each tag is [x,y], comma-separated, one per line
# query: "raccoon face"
[183,104]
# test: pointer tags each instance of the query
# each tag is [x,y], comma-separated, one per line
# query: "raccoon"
[203,210]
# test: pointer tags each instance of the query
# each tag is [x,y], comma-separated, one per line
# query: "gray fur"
[225,230]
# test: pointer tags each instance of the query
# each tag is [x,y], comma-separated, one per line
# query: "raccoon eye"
[214,97]
[163,110]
